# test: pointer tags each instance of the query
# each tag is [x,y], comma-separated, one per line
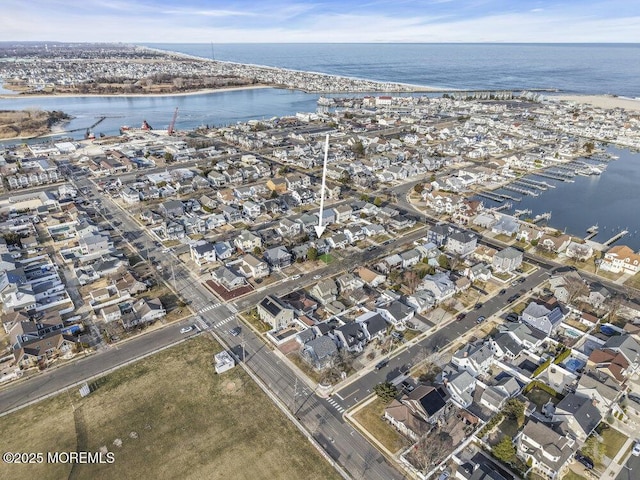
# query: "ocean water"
[570,68]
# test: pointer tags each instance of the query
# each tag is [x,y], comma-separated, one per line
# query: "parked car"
[460,316]
[513,297]
[586,461]
[397,335]
[636,449]
[512,317]
[478,306]
[295,277]
[186,329]
[407,387]
[381,364]
[502,292]
[481,319]
[317,277]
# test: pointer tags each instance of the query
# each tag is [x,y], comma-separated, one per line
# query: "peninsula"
[99,69]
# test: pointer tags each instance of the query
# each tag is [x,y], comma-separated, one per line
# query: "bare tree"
[431,449]
[575,287]
[411,279]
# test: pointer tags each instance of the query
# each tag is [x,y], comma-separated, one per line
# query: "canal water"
[610,200]
[214,109]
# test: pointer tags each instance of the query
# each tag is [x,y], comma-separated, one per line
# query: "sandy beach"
[204,91]
[601,101]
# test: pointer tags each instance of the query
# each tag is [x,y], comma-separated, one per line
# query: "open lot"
[168,416]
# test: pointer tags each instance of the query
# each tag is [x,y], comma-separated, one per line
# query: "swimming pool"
[607,330]
[573,364]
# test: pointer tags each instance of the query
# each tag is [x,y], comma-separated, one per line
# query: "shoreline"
[204,91]
[413,88]
[601,101]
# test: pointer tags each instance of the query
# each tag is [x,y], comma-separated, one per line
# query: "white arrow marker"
[320,228]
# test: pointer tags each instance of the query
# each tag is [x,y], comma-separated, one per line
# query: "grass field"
[370,417]
[168,416]
[613,441]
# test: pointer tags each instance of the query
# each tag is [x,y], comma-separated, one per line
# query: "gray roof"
[509,253]
[583,411]
[322,347]
[626,344]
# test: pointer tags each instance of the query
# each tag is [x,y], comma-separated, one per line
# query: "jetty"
[615,238]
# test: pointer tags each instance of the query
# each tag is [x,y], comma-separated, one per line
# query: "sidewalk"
[620,459]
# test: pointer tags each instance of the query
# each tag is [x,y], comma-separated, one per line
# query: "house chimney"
[466,354]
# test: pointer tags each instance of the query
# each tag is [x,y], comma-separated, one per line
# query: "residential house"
[438,234]
[461,243]
[326,291]
[111,313]
[319,352]
[228,277]
[277,257]
[547,451]
[580,251]
[474,358]
[396,313]
[415,413]
[600,389]
[621,259]
[421,300]
[543,318]
[507,260]
[31,353]
[371,277]
[252,266]
[554,244]
[274,312]
[343,213]
[577,415]
[247,241]
[202,253]
[461,386]
[440,285]
[224,250]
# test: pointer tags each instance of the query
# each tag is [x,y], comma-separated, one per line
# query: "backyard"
[167,416]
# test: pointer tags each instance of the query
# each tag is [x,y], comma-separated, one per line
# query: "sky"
[296,21]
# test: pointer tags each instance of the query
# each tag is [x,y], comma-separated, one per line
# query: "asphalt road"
[351,394]
[346,446]
[630,470]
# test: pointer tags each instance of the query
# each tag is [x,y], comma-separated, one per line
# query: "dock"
[535,183]
[498,197]
[592,232]
[542,216]
[524,191]
[519,213]
[615,238]
[556,176]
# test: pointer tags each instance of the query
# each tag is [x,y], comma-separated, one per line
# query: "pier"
[536,183]
[524,191]
[615,238]
[542,216]
[498,197]
[519,213]
[525,183]
[556,176]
